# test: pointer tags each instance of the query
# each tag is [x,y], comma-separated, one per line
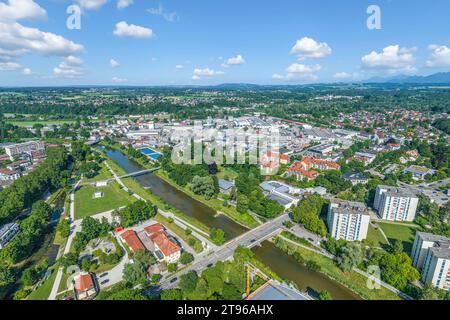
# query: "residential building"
[7,233]
[311,163]
[9,175]
[419,172]
[84,286]
[26,147]
[299,173]
[165,248]
[355,177]
[395,204]
[225,186]
[431,256]
[284,194]
[364,157]
[348,220]
[132,240]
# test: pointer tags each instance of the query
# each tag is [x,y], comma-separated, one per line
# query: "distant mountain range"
[435,78]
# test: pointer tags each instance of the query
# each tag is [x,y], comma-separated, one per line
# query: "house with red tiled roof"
[166,249]
[84,286]
[300,172]
[312,163]
[132,240]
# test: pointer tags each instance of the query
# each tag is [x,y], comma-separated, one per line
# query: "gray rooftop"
[397,192]
[275,291]
[225,185]
[349,207]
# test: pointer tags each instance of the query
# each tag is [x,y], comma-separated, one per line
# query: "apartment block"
[348,220]
[395,204]
[431,256]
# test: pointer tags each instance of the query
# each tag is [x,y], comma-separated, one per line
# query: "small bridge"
[138,173]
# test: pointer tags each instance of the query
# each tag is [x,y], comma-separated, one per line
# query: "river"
[281,263]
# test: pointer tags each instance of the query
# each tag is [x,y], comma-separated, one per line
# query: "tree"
[29,276]
[351,255]
[325,295]
[186,258]
[172,267]
[203,186]
[396,247]
[217,236]
[69,259]
[172,294]
[134,274]
[396,269]
[86,264]
[188,282]
[136,212]
[242,203]
[429,292]
[64,228]
[307,213]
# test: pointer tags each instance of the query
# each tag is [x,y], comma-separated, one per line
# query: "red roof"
[154,228]
[164,244]
[310,162]
[132,240]
[83,283]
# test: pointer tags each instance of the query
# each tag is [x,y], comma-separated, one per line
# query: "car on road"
[209,265]
[173,280]
[103,274]
[104,281]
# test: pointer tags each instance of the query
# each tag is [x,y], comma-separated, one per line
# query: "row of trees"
[51,174]
[135,213]
[32,231]
[308,212]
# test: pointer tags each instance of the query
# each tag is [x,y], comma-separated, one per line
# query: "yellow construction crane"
[251,271]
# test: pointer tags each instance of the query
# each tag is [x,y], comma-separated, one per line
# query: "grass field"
[375,236]
[43,122]
[44,290]
[404,233]
[113,198]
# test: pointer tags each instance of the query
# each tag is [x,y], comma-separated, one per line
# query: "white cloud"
[168,16]
[26,71]
[9,66]
[206,72]
[310,48]
[18,39]
[92,4]
[124,29]
[393,59]
[342,75]
[121,4]
[70,67]
[179,66]
[440,56]
[277,76]
[118,80]
[234,61]
[114,63]
[21,9]
[298,71]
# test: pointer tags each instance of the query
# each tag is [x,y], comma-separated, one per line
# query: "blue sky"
[168,42]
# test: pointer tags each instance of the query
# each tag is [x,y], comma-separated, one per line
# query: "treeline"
[32,230]
[51,174]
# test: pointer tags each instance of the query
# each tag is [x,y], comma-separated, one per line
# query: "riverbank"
[245,220]
[351,280]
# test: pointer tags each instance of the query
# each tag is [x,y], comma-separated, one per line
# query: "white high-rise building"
[395,204]
[431,256]
[348,220]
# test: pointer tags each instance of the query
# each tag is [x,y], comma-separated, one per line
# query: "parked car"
[104,274]
[104,281]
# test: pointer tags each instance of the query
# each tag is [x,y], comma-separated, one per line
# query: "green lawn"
[402,232]
[44,290]
[113,198]
[43,122]
[375,237]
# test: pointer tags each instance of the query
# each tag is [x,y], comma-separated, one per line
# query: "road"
[74,227]
[249,239]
